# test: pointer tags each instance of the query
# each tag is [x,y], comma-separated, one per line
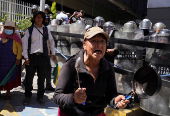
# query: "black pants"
[48,75]
[40,64]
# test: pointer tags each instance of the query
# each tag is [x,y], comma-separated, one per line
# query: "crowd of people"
[95,74]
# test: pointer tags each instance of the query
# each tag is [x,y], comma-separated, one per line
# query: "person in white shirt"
[35,52]
[62,15]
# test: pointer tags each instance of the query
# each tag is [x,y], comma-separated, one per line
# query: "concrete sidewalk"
[14,106]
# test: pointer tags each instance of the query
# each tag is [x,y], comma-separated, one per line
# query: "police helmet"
[47,7]
[98,21]
[145,24]
[159,26]
[108,26]
[129,27]
[34,7]
[88,27]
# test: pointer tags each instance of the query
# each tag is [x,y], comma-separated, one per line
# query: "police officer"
[47,11]
[98,22]
[158,55]
[47,21]
[158,26]
[129,29]
[34,8]
[145,25]
[109,27]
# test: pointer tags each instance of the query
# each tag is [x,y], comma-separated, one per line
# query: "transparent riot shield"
[63,42]
[131,58]
[160,61]
[52,27]
[76,43]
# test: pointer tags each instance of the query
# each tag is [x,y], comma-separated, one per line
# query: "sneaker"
[41,101]
[50,89]
[26,101]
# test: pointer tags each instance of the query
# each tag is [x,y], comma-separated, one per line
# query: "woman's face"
[9,30]
[95,47]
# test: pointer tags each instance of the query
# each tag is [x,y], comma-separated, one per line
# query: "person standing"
[35,52]
[10,58]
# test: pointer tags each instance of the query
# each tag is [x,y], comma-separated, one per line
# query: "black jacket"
[99,93]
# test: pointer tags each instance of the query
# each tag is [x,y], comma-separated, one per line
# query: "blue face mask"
[8,32]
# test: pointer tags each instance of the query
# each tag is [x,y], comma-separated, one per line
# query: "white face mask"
[8,32]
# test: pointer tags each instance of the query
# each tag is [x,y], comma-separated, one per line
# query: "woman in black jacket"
[96,78]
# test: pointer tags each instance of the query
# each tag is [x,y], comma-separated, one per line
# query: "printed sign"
[130,55]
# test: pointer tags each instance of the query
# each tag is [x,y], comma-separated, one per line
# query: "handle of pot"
[164,75]
[126,98]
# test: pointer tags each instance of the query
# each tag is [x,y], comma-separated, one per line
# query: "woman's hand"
[80,95]
[17,62]
[122,102]
[27,61]
[110,51]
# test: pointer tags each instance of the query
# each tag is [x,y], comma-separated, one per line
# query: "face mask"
[8,32]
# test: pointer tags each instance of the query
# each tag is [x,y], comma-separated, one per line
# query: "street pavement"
[14,106]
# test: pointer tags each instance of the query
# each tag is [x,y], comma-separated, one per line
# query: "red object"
[15,83]
[12,36]
[61,113]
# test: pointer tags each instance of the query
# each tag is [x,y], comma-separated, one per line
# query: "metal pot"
[147,82]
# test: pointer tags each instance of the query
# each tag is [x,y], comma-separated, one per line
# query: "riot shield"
[160,61]
[76,43]
[63,42]
[131,58]
[52,27]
